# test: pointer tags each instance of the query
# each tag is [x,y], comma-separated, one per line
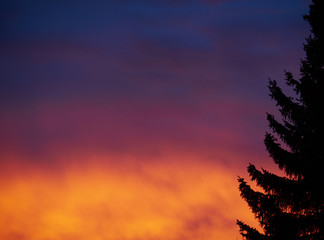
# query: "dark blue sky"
[168,69]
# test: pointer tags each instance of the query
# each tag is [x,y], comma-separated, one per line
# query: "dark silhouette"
[292,207]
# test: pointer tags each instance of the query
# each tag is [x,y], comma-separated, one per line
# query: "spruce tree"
[292,207]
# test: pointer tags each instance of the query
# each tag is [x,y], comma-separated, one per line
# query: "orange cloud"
[121,200]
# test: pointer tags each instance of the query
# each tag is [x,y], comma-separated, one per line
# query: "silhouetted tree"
[292,207]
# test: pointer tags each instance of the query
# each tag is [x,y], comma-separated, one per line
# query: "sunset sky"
[131,120]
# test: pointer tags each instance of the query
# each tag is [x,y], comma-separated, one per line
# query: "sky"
[131,120]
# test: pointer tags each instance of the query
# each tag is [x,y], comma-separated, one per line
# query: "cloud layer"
[160,200]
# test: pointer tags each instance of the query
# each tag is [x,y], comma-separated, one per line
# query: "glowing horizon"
[129,200]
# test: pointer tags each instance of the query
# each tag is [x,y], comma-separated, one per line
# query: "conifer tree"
[292,207]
